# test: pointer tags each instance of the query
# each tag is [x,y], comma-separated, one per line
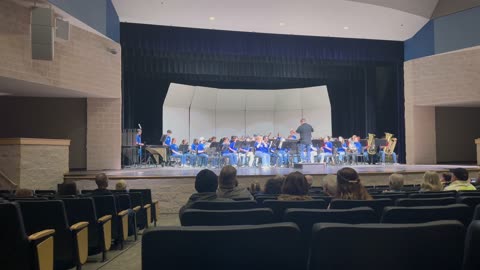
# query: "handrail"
[7,180]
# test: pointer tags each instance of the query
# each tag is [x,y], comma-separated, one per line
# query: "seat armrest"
[79,226]
[104,219]
[155,202]
[147,206]
[122,213]
[136,208]
[41,235]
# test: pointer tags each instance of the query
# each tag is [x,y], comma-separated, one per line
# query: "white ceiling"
[370,19]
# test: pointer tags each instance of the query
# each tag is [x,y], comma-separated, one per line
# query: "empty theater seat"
[279,207]
[147,193]
[420,214]
[409,202]
[196,217]
[440,194]
[472,247]
[377,205]
[106,206]
[224,205]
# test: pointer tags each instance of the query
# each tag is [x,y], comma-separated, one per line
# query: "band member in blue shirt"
[342,150]
[293,135]
[193,152]
[201,153]
[168,140]
[176,152]
[139,144]
[282,153]
[234,151]
[261,150]
[226,150]
[246,154]
[327,150]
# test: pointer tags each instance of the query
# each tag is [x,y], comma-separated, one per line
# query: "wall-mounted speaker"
[62,29]
[42,33]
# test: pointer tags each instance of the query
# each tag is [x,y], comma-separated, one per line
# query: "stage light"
[211,18]
[282,24]
[346,28]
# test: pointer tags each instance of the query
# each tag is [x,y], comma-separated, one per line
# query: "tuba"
[372,148]
[392,142]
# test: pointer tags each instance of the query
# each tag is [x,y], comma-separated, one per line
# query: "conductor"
[305,130]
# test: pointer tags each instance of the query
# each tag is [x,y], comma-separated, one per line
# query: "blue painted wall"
[444,34]
[98,14]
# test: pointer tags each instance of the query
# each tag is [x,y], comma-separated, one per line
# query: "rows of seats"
[438,245]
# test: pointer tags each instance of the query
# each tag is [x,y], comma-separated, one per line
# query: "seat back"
[279,207]
[272,246]
[387,246]
[42,215]
[471,201]
[137,199]
[106,205]
[83,209]
[476,213]
[392,196]
[377,205]
[196,217]
[261,198]
[409,202]
[123,201]
[14,250]
[224,205]
[468,193]
[440,194]
[420,214]
[146,194]
[472,247]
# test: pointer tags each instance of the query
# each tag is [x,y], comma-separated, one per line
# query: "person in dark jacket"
[102,184]
[228,185]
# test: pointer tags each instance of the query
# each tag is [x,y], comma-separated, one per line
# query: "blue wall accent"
[457,31]
[98,14]
[422,44]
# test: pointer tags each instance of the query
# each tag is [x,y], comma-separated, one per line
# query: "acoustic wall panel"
[176,119]
[228,123]
[259,122]
[202,123]
[286,120]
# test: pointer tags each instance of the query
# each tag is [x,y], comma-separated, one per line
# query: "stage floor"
[174,172]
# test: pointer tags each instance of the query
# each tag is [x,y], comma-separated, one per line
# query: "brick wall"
[104,140]
[82,64]
[450,79]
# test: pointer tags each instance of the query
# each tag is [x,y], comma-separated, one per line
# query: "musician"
[305,130]
[234,151]
[176,152]
[168,140]
[382,154]
[341,150]
[292,135]
[261,151]
[226,150]
[139,144]
[201,153]
[313,153]
[282,153]
[327,149]
[245,153]
[193,152]
[354,149]
[370,159]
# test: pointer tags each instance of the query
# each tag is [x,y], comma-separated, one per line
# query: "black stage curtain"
[364,77]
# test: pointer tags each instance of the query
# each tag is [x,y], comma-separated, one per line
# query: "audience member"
[431,182]
[330,185]
[309,179]
[68,189]
[206,184]
[228,185]
[446,179]
[395,183]
[349,186]
[273,186]
[255,188]
[121,185]
[102,184]
[460,180]
[23,193]
[295,188]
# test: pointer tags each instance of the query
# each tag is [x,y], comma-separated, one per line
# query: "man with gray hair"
[305,144]
[396,183]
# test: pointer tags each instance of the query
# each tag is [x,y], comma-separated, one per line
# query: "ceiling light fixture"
[211,18]
[346,28]
[282,24]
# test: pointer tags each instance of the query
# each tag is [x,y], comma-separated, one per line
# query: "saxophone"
[372,149]
[392,142]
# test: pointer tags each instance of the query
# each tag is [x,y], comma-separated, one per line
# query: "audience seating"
[440,194]
[408,202]
[255,247]
[279,207]
[468,193]
[435,245]
[471,201]
[45,192]
[106,206]
[472,247]
[327,199]
[377,205]
[224,205]
[392,196]
[261,198]
[70,241]
[99,228]
[124,203]
[86,191]
[21,251]
[143,213]
[257,216]
[476,213]
[147,193]
[420,214]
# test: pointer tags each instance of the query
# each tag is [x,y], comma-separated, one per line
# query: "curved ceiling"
[370,19]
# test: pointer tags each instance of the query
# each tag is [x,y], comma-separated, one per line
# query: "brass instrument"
[351,147]
[391,142]
[372,148]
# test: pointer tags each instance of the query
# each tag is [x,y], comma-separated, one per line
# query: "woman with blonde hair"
[349,186]
[431,182]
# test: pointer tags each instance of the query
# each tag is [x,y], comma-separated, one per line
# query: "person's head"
[121,185]
[326,139]
[184,141]
[309,179]
[431,182]
[225,141]
[213,139]
[68,188]
[303,121]
[234,138]
[228,177]
[295,184]
[23,193]
[169,132]
[265,138]
[101,180]
[459,174]
[201,140]
[341,139]
[258,138]
[139,131]
[396,181]
[330,185]
[446,178]
[349,186]
[274,185]
[206,181]
[356,139]
[292,132]
[174,140]
[195,141]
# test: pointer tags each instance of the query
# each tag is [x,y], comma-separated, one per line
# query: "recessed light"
[282,24]
[346,28]
[211,18]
